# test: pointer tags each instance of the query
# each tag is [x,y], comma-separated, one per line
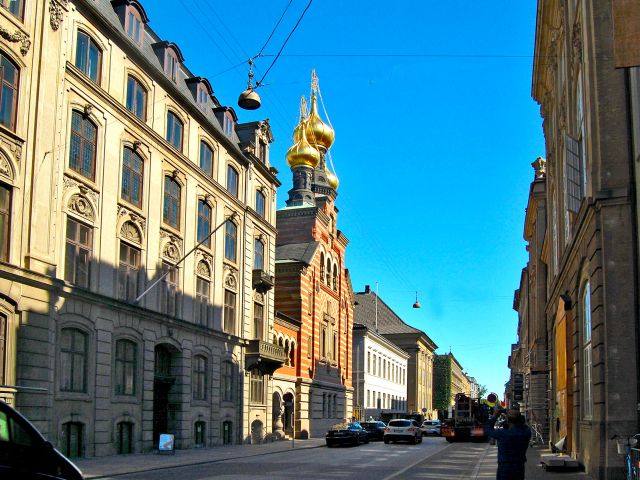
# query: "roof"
[297,252]
[389,323]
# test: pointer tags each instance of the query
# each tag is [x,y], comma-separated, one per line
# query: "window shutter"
[573,174]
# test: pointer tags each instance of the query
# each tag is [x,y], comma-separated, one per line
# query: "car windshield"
[369,425]
[400,423]
[346,426]
[432,422]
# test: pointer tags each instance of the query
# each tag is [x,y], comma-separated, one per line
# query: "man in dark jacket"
[513,441]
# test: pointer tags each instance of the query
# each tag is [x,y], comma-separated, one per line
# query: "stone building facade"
[313,284]
[589,248]
[116,162]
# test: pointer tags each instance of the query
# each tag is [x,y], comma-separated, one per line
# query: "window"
[258,321]
[15,7]
[125,438]
[73,359]
[203,287]
[368,362]
[230,235]
[72,439]
[202,96]
[132,170]
[83,145]
[226,382]
[322,267]
[262,151]
[232,181]
[5,221]
[587,393]
[171,209]
[10,75]
[227,432]
[125,381]
[204,223]
[175,128]
[258,254]
[171,64]
[260,203]
[335,277]
[88,56]
[228,125]
[323,342]
[134,26]
[3,348]
[328,279]
[256,382]
[199,385]
[229,319]
[169,291]
[199,437]
[206,158]
[128,271]
[309,346]
[78,253]
[136,98]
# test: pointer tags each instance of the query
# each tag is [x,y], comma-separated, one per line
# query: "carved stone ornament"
[69,184]
[171,246]
[203,269]
[576,44]
[204,257]
[540,166]
[130,232]
[17,37]
[230,281]
[56,12]
[259,297]
[82,206]
[139,221]
[5,168]
[562,119]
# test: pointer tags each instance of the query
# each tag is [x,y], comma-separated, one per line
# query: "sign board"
[424,410]
[166,443]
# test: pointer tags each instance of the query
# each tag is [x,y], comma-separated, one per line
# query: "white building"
[379,374]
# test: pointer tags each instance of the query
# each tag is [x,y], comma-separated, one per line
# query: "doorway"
[163,386]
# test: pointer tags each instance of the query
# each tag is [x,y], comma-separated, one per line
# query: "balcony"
[265,356]
[262,281]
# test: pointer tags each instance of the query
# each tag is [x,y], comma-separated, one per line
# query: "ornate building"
[589,307]
[117,161]
[313,291]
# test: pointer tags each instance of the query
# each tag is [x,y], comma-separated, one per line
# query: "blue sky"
[435,134]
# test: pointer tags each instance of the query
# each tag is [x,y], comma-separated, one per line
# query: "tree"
[482,391]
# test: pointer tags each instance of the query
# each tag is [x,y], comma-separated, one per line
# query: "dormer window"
[133,19]
[228,125]
[201,90]
[171,64]
[134,25]
[203,97]
[262,151]
[15,7]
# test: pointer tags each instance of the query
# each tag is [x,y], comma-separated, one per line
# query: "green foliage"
[482,391]
[442,382]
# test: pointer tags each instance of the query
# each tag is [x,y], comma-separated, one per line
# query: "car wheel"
[420,440]
[386,441]
[449,439]
[412,441]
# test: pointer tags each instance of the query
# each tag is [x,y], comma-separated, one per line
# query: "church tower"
[314,296]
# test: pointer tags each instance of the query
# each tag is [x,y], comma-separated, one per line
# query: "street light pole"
[174,266]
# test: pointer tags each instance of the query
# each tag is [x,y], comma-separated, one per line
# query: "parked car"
[403,430]
[26,455]
[430,427]
[346,434]
[375,429]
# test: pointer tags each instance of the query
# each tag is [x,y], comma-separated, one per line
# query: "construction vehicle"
[468,419]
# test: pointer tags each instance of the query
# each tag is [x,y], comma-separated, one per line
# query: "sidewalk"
[110,466]
[534,470]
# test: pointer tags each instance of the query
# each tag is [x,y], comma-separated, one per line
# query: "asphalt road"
[434,458]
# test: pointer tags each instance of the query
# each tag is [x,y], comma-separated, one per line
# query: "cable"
[284,44]
[274,28]
[408,55]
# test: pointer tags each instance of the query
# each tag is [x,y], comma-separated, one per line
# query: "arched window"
[258,320]
[73,360]
[132,172]
[10,75]
[125,367]
[171,207]
[5,221]
[204,222]
[72,439]
[322,267]
[328,280]
[226,381]
[175,129]
[199,434]
[133,25]
[128,272]
[88,56]
[260,203]
[258,254]
[335,277]
[227,432]
[78,253]
[232,181]
[230,237]
[587,393]
[15,7]
[83,145]
[206,158]
[125,438]
[203,287]
[199,380]
[136,98]
[171,64]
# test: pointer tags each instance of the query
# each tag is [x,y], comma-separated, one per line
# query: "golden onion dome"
[319,133]
[332,180]
[302,152]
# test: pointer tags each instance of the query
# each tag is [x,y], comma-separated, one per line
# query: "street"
[434,458]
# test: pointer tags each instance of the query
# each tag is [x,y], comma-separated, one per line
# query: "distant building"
[448,380]
[379,374]
[372,311]
[474,388]
[313,287]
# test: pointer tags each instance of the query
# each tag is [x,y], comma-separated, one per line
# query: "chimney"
[367,289]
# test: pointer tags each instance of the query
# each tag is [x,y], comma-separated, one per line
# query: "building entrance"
[163,385]
[288,413]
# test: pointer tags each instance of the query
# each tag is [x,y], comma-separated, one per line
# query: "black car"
[374,429]
[346,434]
[26,455]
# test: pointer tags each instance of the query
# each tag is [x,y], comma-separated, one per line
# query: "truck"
[468,419]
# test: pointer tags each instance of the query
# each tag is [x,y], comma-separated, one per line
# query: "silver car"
[430,427]
[406,430]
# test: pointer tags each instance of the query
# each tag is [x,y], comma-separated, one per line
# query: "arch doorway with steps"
[165,391]
[257,432]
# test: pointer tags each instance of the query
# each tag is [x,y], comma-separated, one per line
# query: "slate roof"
[388,322]
[297,252]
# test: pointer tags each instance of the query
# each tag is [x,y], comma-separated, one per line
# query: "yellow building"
[115,162]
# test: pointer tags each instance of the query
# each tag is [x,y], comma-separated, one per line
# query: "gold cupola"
[319,133]
[332,180]
[302,153]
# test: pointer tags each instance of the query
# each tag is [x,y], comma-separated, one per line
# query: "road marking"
[420,460]
[476,470]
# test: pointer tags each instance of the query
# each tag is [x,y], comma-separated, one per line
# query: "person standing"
[513,441]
